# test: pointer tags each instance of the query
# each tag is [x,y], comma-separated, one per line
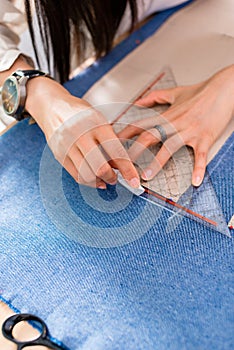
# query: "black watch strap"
[28,74]
[31,73]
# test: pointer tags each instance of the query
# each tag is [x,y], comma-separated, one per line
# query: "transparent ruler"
[171,188]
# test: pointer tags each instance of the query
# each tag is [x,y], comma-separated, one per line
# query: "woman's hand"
[197,116]
[79,136]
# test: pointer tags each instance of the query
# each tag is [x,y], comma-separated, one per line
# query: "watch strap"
[30,73]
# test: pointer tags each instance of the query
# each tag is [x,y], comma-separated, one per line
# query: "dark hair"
[57,19]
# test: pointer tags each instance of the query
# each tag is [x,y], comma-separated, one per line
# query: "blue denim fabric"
[162,291]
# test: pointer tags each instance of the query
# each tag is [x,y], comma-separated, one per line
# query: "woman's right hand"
[79,136]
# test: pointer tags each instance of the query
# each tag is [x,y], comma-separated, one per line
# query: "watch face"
[10,95]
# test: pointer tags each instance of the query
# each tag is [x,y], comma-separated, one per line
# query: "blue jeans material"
[161,291]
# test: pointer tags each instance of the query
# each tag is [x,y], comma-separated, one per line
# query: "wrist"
[50,104]
[227,75]
[20,63]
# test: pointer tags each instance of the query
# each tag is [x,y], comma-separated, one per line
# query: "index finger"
[159,96]
[119,156]
[140,126]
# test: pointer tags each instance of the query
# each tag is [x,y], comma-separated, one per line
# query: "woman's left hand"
[197,116]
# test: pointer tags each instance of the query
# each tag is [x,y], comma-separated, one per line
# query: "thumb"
[158,96]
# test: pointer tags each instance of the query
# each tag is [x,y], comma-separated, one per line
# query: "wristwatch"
[14,92]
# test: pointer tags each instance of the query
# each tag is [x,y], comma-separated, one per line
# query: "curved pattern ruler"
[171,188]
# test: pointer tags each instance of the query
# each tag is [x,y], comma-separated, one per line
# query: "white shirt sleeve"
[12,24]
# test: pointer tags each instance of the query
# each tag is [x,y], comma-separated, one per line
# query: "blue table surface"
[161,291]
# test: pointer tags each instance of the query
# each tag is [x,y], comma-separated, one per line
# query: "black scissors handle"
[42,339]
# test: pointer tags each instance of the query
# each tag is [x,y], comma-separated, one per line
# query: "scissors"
[42,339]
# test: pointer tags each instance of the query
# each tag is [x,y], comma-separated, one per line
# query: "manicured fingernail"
[102,187]
[147,174]
[197,181]
[135,182]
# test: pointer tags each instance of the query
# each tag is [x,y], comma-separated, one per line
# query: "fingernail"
[147,174]
[197,181]
[102,187]
[135,182]
[113,182]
